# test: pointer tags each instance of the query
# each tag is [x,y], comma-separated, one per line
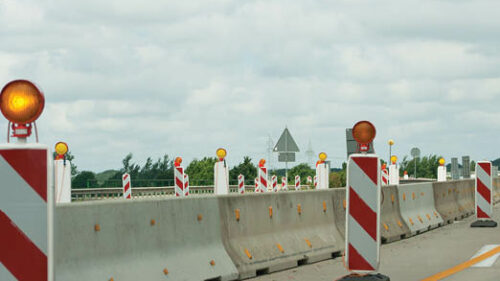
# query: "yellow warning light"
[394,159]
[221,153]
[61,148]
[391,142]
[322,156]
[441,161]
[21,102]
[364,132]
[177,161]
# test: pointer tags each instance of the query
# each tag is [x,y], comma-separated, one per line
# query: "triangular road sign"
[286,143]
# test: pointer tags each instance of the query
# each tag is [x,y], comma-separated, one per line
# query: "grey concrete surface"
[417,257]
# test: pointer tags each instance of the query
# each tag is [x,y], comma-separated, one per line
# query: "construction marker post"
[441,172]
[484,195]
[284,183]
[385,175]
[256,184]
[26,191]
[241,184]
[316,182]
[309,180]
[221,174]
[186,184]
[362,249]
[322,172]
[263,179]
[297,182]
[178,177]
[274,183]
[62,174]
[393,171]
[127,187]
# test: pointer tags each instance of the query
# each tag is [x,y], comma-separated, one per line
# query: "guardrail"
[87,194]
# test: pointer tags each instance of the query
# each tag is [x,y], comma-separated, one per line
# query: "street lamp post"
[391,143]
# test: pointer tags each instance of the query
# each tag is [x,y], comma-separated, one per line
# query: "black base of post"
[368,277]
[484,223]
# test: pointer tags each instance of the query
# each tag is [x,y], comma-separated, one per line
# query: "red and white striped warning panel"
[315,181]
[484,184]
[127,188]
[284,185]
[262,179]
[274,182]
[309,180]
[241,184]
[385,176]
[179,181]
[363,213]
[297,182]
[186,184]
[26,210]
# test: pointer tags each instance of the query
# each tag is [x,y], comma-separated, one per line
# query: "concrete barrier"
[392,225]
[417,206]
[142,239]
[446,201]
[273,231]
[465,197]
[339,207]
[496,187]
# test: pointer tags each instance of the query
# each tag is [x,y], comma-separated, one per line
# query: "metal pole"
[415,167]
[390,153]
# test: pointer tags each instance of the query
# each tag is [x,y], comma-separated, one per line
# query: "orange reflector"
[324,206]
[404,196]
[400,224]
[386,227]
[420,219]
[363,132]
[165,271]
[413,195]
[212,262]
[153,222]
[392,198]
[308,243]
[428,216]
[299,209]
[270,211]
[280,248]
[237,214]
[344,203]
[200,217]
[421,193]
[97,227]
[411,221]
[21,101]
[248,253]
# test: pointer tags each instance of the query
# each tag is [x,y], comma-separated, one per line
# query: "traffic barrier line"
[463,266]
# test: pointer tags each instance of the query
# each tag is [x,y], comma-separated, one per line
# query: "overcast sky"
[186,77]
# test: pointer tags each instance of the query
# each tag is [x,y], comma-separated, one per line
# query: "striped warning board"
[284,183]
[26,211]
[274,183]
[179,181]
[241,184]
[186,184]
[385,176]
[262,179]
[127,188]
[484,184]
[363,213]
[297,182]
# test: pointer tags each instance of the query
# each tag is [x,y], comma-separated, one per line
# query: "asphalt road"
[417,257]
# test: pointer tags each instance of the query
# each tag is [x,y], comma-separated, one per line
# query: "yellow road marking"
[463,266]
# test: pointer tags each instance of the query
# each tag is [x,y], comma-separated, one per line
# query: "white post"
[221,178]
[393,174]
[441,173]
[62,181]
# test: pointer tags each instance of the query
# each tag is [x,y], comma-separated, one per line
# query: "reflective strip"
[21,201]
[179,181]
[364,243]
[363,185]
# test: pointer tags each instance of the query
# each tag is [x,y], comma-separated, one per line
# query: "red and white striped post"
[309,180]
[362,249]
[256,183]
[484,195]
[315,182]
[127,188]
[284,183]
[241,184]
[262,175]
[385,175]
[297,182]
[178,177]
[186,184]
[274,181]
[26,191]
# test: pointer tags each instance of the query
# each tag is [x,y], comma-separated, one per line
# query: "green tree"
[303,170]
[84,179]
[245,168]
[201,172]
[472,166]
[426,166]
